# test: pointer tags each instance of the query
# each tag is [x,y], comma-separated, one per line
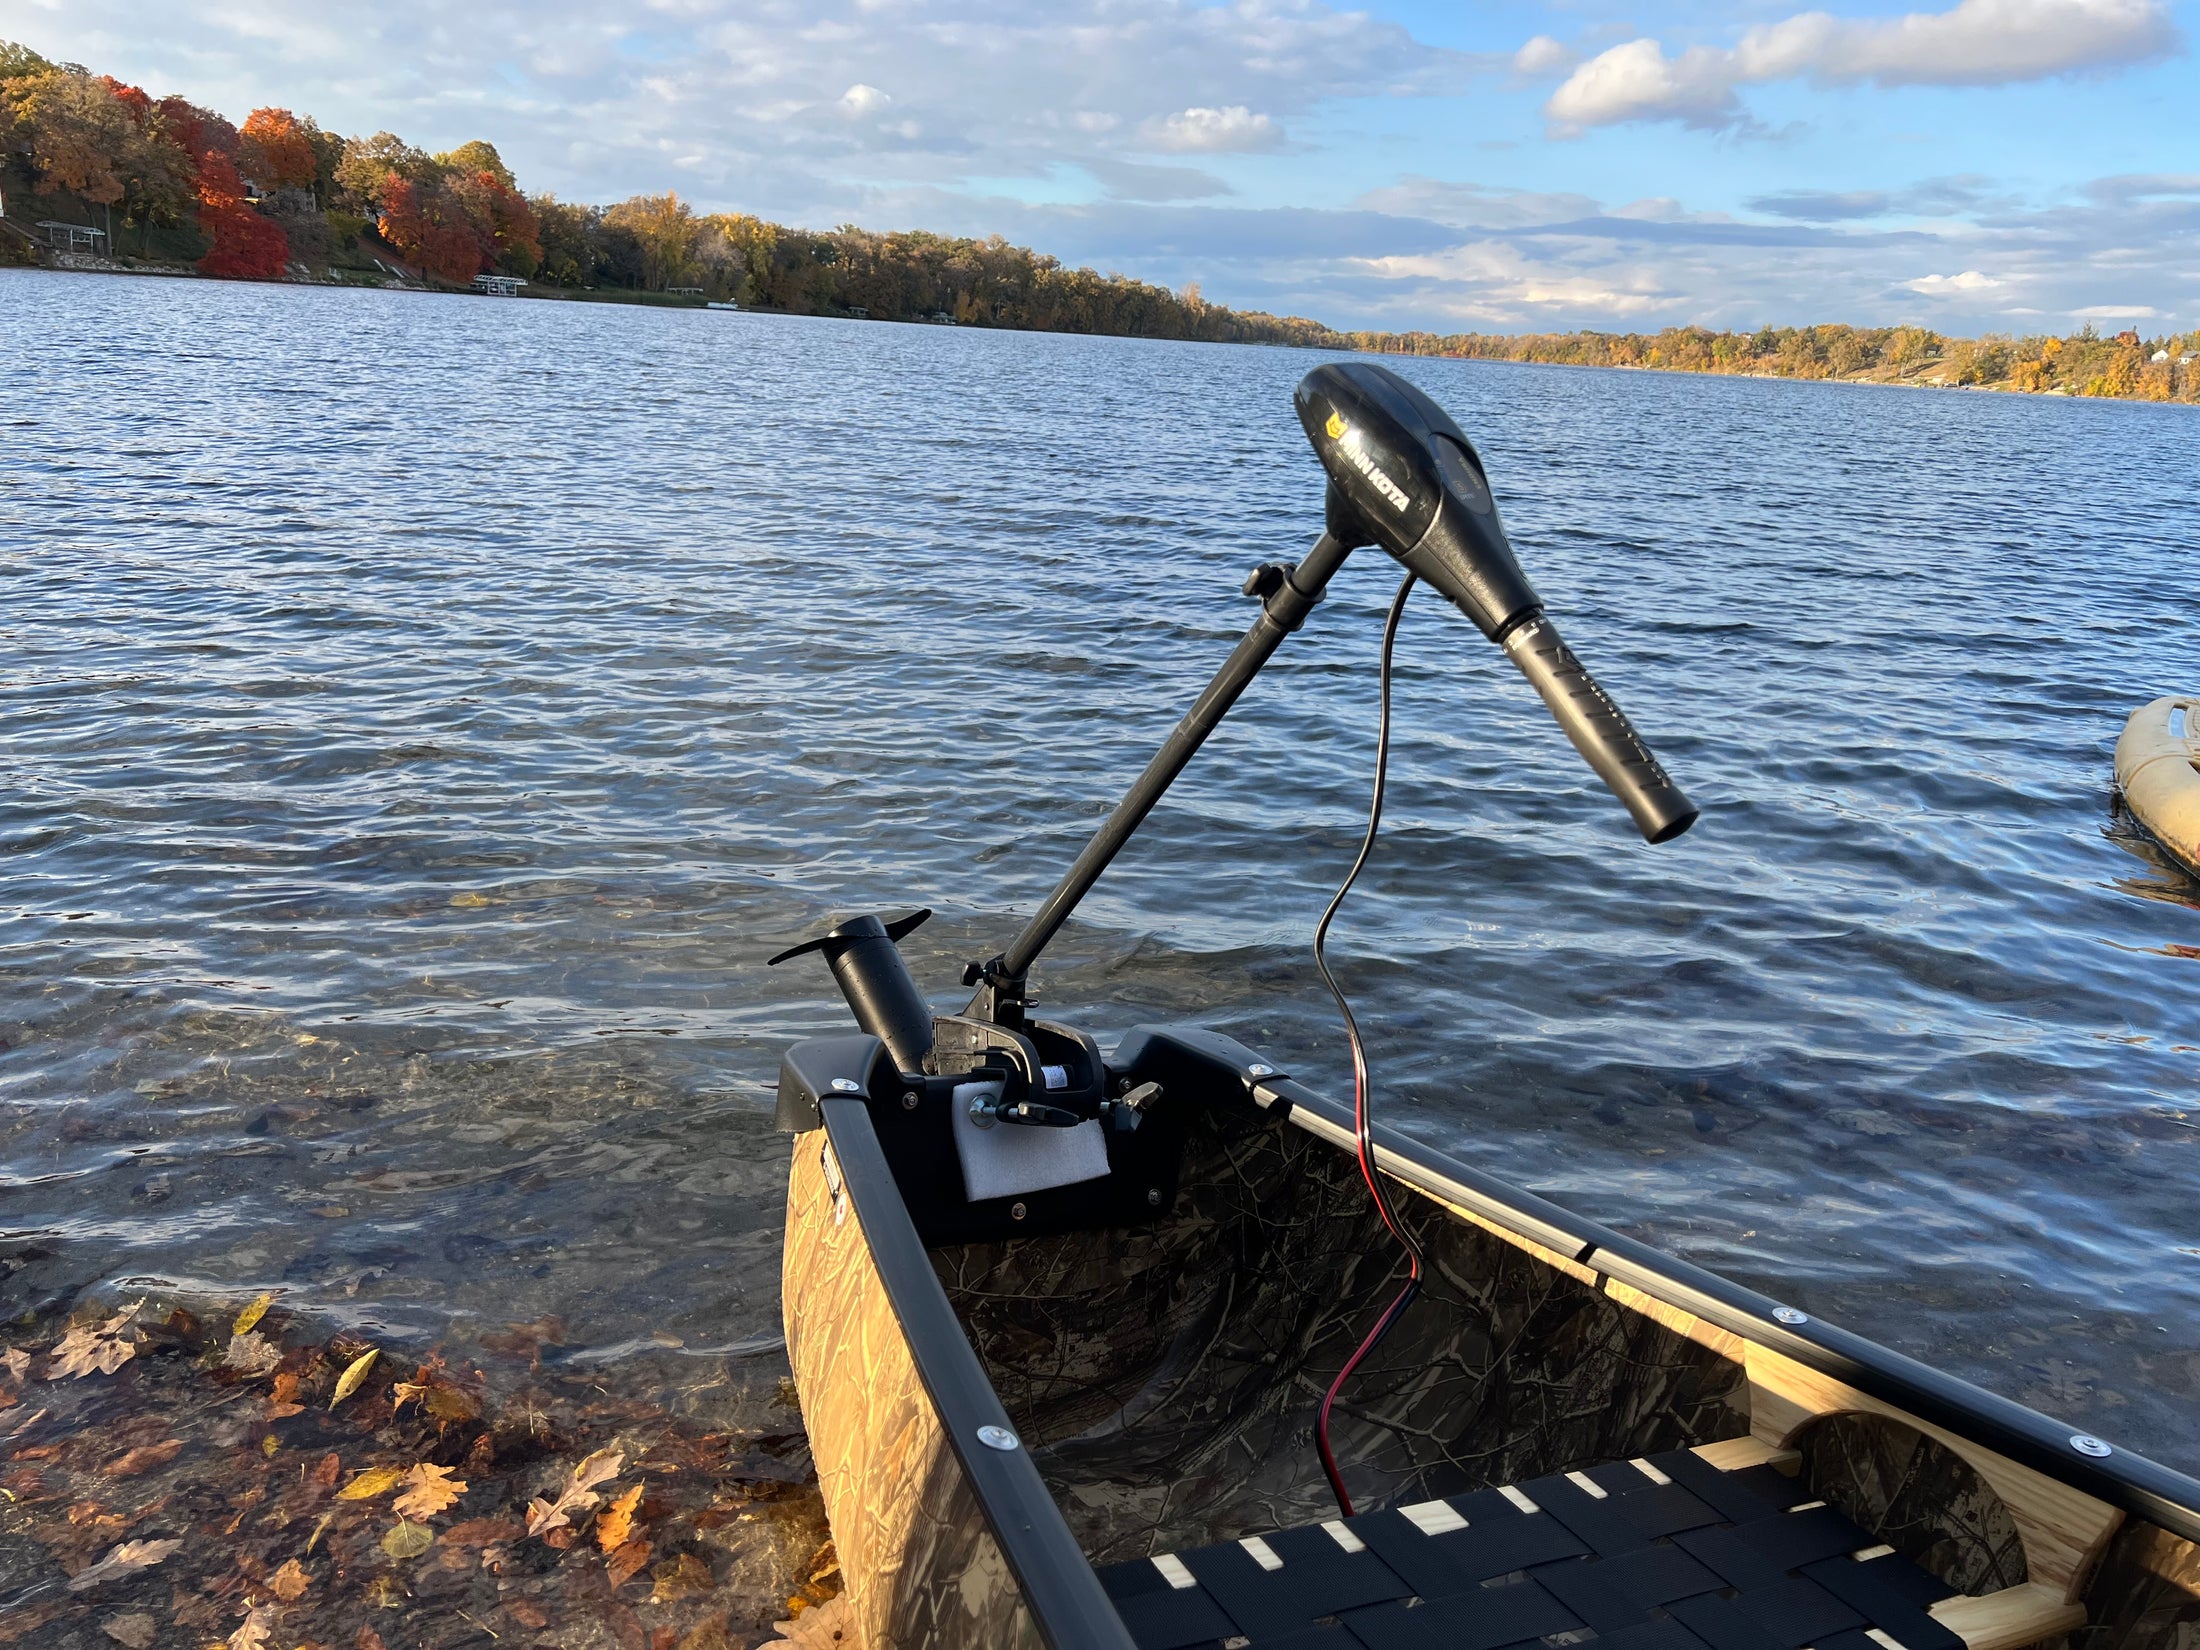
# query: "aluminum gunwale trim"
[2154,1492]
[1066,1600]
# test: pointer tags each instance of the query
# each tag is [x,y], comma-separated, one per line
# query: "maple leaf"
[290,1582]
[828,1626]
[579,1493]
[615,1524]
[251,1354]
[85,1350]
[127,1559]
[432,1490]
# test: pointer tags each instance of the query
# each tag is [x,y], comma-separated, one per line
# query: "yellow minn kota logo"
[1335,427]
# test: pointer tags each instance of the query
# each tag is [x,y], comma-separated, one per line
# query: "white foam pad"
[1010,1158]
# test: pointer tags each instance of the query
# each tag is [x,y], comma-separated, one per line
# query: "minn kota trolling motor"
[997,1124]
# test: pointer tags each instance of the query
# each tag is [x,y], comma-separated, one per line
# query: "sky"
[1523,165]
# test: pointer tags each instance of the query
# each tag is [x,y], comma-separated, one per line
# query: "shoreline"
[353,279]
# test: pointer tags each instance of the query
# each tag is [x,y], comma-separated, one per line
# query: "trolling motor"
[1402,476]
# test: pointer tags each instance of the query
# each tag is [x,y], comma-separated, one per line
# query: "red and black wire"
[1362,1128]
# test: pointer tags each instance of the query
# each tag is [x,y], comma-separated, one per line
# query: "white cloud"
[1978,43]
[1542,55]
[1940,286]
[1234,130]
[2117,312]
[800,108]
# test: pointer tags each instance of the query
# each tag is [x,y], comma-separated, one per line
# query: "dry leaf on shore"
[432,1490]
[251,1315]
[615,1524]
[127,1559]
[579,1493]
[290,1582]
[252,1633]
[828,1626]
[17,1363]
[135,1631]
[371,1483]
[85,1350]
[403,1393]
[354,1374]
[682,1577]
[251,1355]
[626,1561]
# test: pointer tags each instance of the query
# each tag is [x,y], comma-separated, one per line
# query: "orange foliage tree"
[276,150]
[432,228]
[246,246]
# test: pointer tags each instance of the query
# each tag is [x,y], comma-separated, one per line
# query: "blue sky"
[2005,165]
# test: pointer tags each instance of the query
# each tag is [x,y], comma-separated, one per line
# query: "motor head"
[1404,476]
[1416,486]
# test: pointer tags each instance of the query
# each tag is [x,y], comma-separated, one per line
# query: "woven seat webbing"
[1664,1554]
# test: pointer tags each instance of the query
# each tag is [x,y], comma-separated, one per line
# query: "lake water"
[423,716]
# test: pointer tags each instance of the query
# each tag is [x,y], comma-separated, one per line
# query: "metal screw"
[1015,1212]
[997,1437]
[2086,1444]
[909,1101]
[1153,1197]
[1788,1315]
[847,1085]
[1260,1071]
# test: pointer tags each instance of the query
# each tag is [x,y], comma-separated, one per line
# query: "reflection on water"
[423,716]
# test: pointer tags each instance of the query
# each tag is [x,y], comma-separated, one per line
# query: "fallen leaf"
[615,1524]
[451,1403]
[681,1577]
[16,1362]
[143,1459]
[579,1493]
[319,1530]
[252,1354]
[433,1489]
[480,1532]
[290,1582]
[408,1540]
[136,1630]
[270,1445]
[369,1639]
[403,1393]
[251,1315]
[127,1559]
[325,1470]
[626,1562]
[371,1483]
[285,1389]
[85,1350]
[530,1616]
[354,1373]
[252,1633]
[830,1626]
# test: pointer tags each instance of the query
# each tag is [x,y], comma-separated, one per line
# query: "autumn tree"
[275,150]
[75,130]
[477,156]
[664,227]
[246,245]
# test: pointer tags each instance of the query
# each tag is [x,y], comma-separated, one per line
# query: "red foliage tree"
[195,130]
[246,246]
[432,227]
[132,98]
[276,150]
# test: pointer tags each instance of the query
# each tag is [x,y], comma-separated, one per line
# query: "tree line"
[278,195]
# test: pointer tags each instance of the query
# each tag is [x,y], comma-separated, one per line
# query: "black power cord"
[1360,1097]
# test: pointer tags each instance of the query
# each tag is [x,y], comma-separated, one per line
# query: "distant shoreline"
[1930,371]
